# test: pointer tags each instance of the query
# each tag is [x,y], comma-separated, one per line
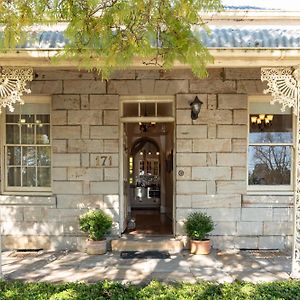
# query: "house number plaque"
[104,161]
[180,172]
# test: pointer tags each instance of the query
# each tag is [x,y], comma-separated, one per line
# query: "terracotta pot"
[200,247]
[96,247]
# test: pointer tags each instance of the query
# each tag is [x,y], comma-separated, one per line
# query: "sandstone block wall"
[210,151]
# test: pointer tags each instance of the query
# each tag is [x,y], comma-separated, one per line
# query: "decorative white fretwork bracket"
[284,86]
[13,82]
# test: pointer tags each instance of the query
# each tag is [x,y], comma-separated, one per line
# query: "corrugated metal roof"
[219,37]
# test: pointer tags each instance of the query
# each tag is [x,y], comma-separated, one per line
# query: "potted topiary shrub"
[97,224]
[198,225]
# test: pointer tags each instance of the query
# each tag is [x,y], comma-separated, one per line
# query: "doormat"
[145,254]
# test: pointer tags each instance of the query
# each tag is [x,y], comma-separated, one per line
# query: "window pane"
[44,175]
[14,156]
[147,109]
[43,156]
[29,176]
[43,134]
[29,156]
[269,165]
[14,176]
[27,134]
[41,119]
[279,130]
[12,134]
[12,118]
[27,119]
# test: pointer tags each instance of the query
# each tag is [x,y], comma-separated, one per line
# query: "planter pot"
[96,247]
[200,247]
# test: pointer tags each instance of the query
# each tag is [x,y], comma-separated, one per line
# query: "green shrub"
[96,223]
[198,225]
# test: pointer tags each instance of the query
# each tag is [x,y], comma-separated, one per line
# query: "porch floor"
[254,266]
[150,222]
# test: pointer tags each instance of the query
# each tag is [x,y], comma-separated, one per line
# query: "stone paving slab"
[64,266]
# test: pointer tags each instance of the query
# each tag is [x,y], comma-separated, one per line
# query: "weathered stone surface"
[184,145]
[147,74]
[184,201]
[65,102]
[231,159]
[67,187]
[239,173]
[212,131]
[187,173]
[183,117]
[35,213]
[177,74]
[242,73]
[26,242]
[225,214]
[59,146]
[123,74]
[46,87]
[192,159]
[91,174]
[104,102]
[267,201]
[124,87]
[111,174]
[171,87]
[231,187]
[111,117]
[84,86]
[212,102]
[8,213]
[225,228]
[250,228]
[66,160]
[211,87]
[58,74]
[211,187]
[59,117]
[282,214]
[191,187]
[240,116]
[80,146]
[211,173]
[104,132]
[59,173]
[257,214]
[223,242]
[46,201]
[232,131]
[80,201]
[232,101]
[65,214]
[183,101]
[216,201]
[239,145]
[191,131]
[214,117]
[85,117]
[111,146]
[246,242]
[84,102]
[277,228]
[271,242]
[66,132]
[211,159]
[251,86]
[105,187]
[147,86]
[212,145]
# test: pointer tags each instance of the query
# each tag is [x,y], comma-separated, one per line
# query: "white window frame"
[24,190]
[269,189]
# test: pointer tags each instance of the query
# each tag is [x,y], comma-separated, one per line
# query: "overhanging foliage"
[110,34]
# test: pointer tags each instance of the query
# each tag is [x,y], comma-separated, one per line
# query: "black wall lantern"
[195,108]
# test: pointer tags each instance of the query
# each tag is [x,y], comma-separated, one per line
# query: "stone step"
[171,245]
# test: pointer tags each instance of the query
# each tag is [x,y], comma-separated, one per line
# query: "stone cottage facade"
[86,166]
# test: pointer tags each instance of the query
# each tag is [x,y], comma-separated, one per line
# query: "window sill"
[26,193]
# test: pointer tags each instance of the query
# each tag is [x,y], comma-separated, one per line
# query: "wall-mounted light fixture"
[195,108]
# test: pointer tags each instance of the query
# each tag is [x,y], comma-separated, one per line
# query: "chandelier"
[12,86]
[262,120]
